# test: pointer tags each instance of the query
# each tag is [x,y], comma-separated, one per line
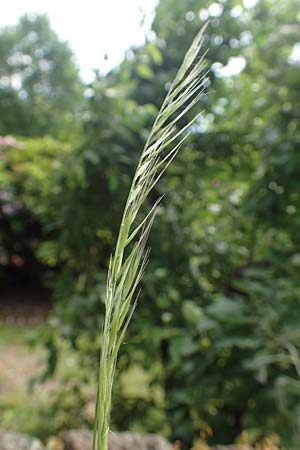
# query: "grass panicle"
[129,260]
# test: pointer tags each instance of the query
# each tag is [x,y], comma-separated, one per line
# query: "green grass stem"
[129,259]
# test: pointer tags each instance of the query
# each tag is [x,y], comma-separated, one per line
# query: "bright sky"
[92,27]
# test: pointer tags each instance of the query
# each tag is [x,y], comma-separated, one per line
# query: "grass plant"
[128,262]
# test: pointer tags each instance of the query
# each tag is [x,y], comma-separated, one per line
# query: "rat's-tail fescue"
[129,259]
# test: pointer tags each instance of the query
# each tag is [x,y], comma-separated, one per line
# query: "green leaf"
[191,311]
[145,71]
[227,311]
[155,53]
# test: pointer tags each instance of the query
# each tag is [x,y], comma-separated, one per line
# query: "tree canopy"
[40,88]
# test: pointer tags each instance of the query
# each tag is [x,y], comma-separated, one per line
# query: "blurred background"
[212,354]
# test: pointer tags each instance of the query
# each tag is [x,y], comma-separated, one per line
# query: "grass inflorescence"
[128,262]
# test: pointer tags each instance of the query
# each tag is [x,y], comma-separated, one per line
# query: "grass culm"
[128,262]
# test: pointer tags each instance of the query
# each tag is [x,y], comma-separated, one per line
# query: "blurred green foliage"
[30,416]
[217,326]
[29,408]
